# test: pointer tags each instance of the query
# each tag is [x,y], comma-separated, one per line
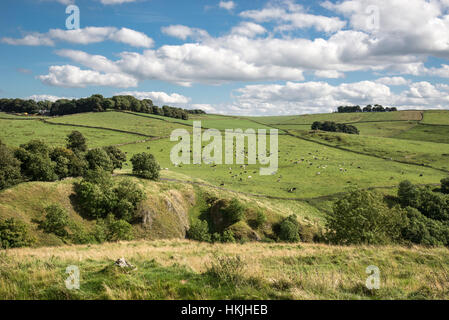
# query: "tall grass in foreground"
[180,269]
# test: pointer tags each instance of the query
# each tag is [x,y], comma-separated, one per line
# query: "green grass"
[436,117]
[301,175]
[120,121]
[417,152]
[15,133]
[180,270]
[341,117]
[422,132]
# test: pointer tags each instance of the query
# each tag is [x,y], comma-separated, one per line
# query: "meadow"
[315,168]
[181,269]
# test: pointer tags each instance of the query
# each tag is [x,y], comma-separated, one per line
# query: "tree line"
[368,108]
[334,127]
[94,103]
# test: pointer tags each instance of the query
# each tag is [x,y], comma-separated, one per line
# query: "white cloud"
[158,98]
[248,29]
[291,16]
[314,97]
[228,5]
[44,97]
[330,74]
[393,81]
[85,35]
[184,32]
[74,77]
[33,39]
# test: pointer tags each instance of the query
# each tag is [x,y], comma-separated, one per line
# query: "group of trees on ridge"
[368,108]
[94,103]
[111,203]
[334,127]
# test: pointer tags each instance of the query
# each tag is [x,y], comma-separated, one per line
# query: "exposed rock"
[122,263]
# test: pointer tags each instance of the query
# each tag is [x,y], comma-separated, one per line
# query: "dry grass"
[305,271]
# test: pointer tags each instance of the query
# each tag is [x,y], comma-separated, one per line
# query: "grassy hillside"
[182,269]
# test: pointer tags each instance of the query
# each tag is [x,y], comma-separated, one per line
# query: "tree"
[9,168]
[76,142]
[445,185]
[422,230]
[408,194]
[36,164]
[56,220]
[145,166]
[289,229]
[128,195]
[117,156]
[362,217]
[14,234]
[99,159]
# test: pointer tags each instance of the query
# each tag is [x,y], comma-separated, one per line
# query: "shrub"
[433,205]
[228,236]
[76,142]
[56,220]
[99,159]
[199,231]
[145,166]
[445,185]
[36,164]
[128,194]
[117,156]
[289,229]
[95,200]
[234,211]
[261,219]
[362,217]
[422,230]
[408,194]
[227,270]
[111,229]
[9,168]
[14,234]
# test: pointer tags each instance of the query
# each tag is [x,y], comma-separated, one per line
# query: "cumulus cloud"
[74,77]
[314,97]
[228,5]
[330,74]
[393,81]
[158,98]
[248,29]
[291,16]
[184,32]
[84,36]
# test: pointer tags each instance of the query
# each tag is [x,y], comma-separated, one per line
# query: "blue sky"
[236,57]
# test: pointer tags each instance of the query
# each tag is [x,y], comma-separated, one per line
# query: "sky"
[270,57]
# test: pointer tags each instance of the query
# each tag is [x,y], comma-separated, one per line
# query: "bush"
[14,234]
[56,221]
[234,211]
[422,230]
[199,231]
[445,185]
[145,166]
[408,194]
[228,236]
[9,168]
[111,229]
[128,194]
[227,270]
[117,156]
[99,159]
[433,205]
[362,217]
[76,142]
[289,229]
[36,163]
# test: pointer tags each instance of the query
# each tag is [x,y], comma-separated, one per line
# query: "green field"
[322,166]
